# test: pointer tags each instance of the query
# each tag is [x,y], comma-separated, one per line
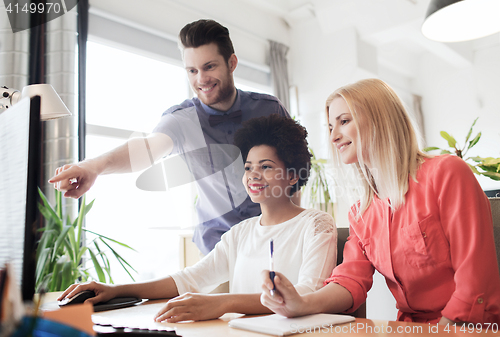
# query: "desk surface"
[141,316]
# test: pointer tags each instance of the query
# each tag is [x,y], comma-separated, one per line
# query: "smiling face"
[266,179]
[210,76]
[343,131]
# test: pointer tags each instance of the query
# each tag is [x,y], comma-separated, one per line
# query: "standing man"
[200,130]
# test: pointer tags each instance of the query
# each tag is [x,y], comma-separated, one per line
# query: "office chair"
[342,235]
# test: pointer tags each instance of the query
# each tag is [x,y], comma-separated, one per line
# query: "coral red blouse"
[436,252]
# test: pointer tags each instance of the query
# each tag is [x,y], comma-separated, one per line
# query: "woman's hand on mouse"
[103,292]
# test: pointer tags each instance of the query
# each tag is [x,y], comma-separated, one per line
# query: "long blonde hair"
[387,141]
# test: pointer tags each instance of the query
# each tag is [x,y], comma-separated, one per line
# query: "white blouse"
[305,251]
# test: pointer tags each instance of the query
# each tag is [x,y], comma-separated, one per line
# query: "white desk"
[142,316]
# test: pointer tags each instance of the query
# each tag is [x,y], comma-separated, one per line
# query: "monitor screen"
[19,172]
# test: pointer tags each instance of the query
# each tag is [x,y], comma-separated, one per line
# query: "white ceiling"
[392,26]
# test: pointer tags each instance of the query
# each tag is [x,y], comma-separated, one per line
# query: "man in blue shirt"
[200,130]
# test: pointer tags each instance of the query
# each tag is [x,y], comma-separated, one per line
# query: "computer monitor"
[492,193]
[20,147]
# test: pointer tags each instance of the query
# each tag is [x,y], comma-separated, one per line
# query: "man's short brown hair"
[202,32]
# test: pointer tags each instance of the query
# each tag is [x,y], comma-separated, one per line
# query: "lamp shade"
[461,20]
[51,104]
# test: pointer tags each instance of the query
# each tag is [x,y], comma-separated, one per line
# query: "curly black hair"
[287,136]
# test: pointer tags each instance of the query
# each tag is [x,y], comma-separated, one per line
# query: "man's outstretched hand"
[74,180]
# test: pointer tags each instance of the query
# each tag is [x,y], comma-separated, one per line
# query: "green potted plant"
[489,167]
[316,191]
[62,249]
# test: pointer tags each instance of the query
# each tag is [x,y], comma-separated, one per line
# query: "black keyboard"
[103,331]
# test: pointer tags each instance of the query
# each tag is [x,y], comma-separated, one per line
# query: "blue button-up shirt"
[214,162]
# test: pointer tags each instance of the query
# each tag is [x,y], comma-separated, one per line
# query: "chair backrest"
[342,235]
[495,212]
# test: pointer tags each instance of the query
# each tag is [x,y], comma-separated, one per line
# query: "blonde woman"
[423,222]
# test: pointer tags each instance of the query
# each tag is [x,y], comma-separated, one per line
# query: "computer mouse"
[78,298]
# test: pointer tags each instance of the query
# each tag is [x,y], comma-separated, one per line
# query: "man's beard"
[224,94]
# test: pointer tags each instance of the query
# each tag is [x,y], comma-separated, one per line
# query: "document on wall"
[278,325]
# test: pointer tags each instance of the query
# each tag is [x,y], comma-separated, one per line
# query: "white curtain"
[60,136]
[279,72]
[13,54]
[419,118]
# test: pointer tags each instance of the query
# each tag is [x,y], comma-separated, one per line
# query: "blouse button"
[480,300]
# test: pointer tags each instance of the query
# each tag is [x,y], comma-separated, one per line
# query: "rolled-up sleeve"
[466,220]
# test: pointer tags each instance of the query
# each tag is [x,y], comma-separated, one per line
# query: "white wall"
[454,97]
[319,64]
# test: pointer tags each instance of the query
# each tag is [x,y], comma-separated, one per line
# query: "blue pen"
[272,273]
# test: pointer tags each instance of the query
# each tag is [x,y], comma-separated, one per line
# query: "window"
[127,93]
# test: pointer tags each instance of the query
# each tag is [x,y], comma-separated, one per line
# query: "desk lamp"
[461,20]
[52,106]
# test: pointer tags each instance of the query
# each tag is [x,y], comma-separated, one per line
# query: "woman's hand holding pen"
[286,300]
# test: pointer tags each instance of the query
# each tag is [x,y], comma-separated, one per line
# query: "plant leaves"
[67,275]
[55,276]
[488,164]
[318,161]
[491,161]
[60,250]
[470,131]
[121,260]
[72,245]
[488,168]
[474,141]
[112,240]
[45,240]
[80,254]
[88,207]
[44,283]
[79,220]
[105,261]
[431,148]
[477,159]
[474,169]
[108,270]
[59,204]
[446,152]
[47,211]
[97,266]
[60,239]
[100,253]
[41,265]
[451,141]
[492,175]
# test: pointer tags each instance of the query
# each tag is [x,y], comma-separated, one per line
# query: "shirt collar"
[236,106]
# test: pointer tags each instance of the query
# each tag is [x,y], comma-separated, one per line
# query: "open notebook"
[281,326]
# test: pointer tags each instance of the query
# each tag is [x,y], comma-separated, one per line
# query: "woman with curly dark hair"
[277,163]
